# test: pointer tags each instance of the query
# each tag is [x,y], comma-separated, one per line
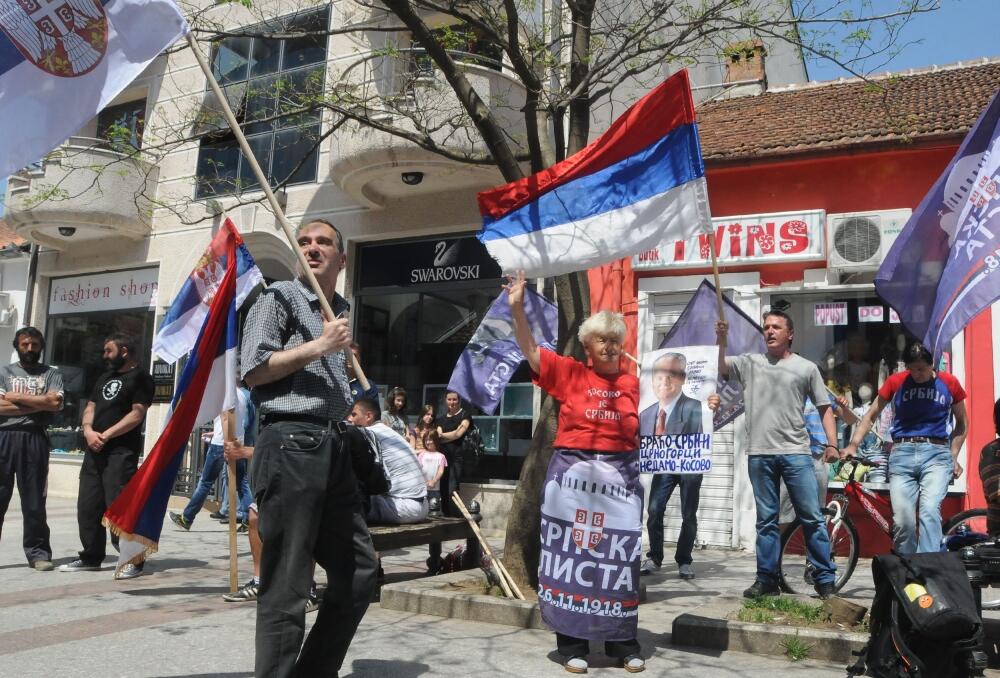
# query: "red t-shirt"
[922,410]
[598,413]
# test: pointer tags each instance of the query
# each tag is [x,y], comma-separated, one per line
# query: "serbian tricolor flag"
[641,183]
[186,314]
[207,387]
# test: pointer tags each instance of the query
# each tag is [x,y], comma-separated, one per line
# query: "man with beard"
[29,390]
[112,426]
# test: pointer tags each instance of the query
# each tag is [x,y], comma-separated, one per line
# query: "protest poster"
[591,533]
[675,424]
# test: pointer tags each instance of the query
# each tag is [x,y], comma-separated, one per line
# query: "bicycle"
[845,546]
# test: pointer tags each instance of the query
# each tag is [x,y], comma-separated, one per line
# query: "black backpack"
[472,441]
[924,622]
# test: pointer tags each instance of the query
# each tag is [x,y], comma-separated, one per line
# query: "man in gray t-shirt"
[29,391]
[775,387]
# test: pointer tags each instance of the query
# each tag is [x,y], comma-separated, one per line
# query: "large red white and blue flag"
[640,183]
[944,268]
[206,388]
[62,61]
[186,314]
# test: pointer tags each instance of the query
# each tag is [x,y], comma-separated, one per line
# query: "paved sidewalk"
[173,622]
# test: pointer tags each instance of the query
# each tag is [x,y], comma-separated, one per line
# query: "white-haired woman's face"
[604,351]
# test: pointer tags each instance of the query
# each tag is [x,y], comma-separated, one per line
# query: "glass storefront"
[83,312]
[417,303]
[857,342]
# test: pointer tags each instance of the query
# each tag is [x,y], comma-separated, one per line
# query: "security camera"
[67,231]
[412,178]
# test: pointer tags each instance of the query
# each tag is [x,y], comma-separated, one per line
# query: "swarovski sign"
[419,262]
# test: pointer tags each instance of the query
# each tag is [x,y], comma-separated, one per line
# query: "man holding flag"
[294,360]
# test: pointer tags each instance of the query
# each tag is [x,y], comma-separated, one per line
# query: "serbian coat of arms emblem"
[66,38]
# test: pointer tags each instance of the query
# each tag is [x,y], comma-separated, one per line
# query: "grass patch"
[775,610]
[796,650]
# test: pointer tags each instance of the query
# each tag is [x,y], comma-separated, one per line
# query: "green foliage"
[771,610]
[795,649]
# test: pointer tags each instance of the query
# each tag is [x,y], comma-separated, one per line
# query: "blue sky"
[959,31]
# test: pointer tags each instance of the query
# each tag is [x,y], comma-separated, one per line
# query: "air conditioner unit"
[859,241]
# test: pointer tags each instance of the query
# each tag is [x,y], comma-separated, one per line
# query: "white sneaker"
[634,664]
[576,665]
[648,566]
[685,571]
[130,571]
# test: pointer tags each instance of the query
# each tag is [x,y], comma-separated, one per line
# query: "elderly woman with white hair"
[591,529]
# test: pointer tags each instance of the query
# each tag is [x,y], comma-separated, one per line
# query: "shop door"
[715,509]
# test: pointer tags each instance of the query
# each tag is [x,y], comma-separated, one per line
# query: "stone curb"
[708,628]
[431,595]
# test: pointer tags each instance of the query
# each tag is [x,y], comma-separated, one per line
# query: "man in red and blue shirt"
[924,457]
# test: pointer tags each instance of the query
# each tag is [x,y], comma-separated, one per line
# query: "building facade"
[123,210]
[809,186]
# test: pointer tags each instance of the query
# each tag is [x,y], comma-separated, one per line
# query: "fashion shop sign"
[756,238]
[112,291]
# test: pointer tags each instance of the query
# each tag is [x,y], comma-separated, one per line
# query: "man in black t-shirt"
[452,427]
[112,426]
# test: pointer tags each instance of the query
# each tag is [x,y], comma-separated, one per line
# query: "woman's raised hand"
[515,288]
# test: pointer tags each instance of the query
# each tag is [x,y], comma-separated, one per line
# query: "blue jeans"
[918,471]
[659,494]
[766,472]
[215,463]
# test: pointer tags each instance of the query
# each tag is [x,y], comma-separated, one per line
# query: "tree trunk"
[522,547]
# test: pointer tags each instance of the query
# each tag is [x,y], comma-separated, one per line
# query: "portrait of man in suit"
[673,412]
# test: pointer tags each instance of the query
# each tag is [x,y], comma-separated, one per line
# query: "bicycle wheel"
[796,576]
[973,519]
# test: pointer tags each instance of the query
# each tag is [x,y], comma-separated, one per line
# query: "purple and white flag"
[944,268]
[488,362]
[591,532]
[696,327]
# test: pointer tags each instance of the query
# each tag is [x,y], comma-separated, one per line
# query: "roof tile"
[899,108]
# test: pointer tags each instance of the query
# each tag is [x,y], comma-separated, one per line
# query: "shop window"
[857,343]
[272,86]
[75,344]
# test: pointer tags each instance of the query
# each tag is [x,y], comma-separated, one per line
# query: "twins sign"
[675,424]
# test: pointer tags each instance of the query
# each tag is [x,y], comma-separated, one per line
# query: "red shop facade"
[809,186]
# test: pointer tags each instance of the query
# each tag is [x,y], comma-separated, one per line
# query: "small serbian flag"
[641,183]
[62,61]
[186,314]
[207,387]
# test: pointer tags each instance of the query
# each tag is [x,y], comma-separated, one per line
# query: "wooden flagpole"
[715,275]
[265,186]
[228,433]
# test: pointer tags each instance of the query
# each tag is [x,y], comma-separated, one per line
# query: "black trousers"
[24,459]
[103,475]
[451,481]
[659,494]
[308,508]
[570,647]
